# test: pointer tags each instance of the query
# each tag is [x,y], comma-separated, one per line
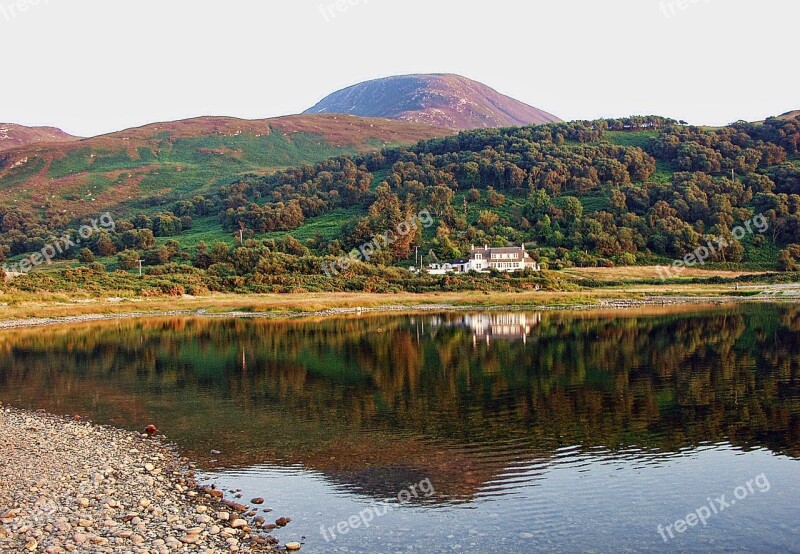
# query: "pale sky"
[96,66]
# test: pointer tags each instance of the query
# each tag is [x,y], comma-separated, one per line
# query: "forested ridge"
[629,191]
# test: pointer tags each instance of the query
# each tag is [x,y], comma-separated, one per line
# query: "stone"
[258,500]
[283,521]
[292,546]
[237,523]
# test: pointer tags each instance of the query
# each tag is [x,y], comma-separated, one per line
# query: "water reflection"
[486,327]
[486,405]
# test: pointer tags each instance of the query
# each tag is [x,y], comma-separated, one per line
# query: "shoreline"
[601,305]
[70,485]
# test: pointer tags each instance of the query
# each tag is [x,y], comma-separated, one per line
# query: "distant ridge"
[440,100]
[14,136]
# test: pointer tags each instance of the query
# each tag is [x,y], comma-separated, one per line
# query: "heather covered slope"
[14,136]
[441,100]
[162,162]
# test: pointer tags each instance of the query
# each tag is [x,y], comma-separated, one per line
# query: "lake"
[674,429]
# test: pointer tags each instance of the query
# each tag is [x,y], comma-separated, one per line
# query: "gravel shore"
[70,486]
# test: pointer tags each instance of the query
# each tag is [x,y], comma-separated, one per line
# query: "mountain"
[790,115]
[153,164]
[441,100]
[13,135]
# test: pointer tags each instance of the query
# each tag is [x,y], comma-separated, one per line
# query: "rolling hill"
[157,163]
[14,136]
[442,100]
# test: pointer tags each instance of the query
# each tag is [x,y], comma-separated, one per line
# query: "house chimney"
[486,247]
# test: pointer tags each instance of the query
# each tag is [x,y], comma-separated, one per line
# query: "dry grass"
[648,272]
[54,305]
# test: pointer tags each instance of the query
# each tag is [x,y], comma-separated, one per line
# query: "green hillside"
[634,191]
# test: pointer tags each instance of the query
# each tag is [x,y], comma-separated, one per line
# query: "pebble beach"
[70,486]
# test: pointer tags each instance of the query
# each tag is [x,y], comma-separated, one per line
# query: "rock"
[292,546]
[149,467]
[258,500]
[190,539]
[237,523]
[150,430]
[283,521]
[224,516]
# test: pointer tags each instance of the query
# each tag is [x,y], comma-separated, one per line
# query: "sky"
[97,66]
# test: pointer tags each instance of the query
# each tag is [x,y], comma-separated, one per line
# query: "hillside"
[636,191]
[15,136]
[162,162]
[441,100]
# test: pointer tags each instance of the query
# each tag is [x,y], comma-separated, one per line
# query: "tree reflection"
[376,401]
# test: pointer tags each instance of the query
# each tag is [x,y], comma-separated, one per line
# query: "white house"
[506,260]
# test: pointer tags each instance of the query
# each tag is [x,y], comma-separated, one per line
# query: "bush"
[86,256]
[128,259]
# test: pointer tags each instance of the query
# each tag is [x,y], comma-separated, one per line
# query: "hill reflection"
[378,402]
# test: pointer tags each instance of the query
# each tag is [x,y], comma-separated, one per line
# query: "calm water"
[519,432]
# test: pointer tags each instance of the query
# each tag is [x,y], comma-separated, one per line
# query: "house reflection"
[488,326]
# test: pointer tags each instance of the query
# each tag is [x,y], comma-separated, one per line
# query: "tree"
[105,246]
[487,220]
[789,259]
[573,209]
[494,198]
[202,259]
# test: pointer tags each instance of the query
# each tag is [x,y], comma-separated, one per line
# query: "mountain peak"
[438,99]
